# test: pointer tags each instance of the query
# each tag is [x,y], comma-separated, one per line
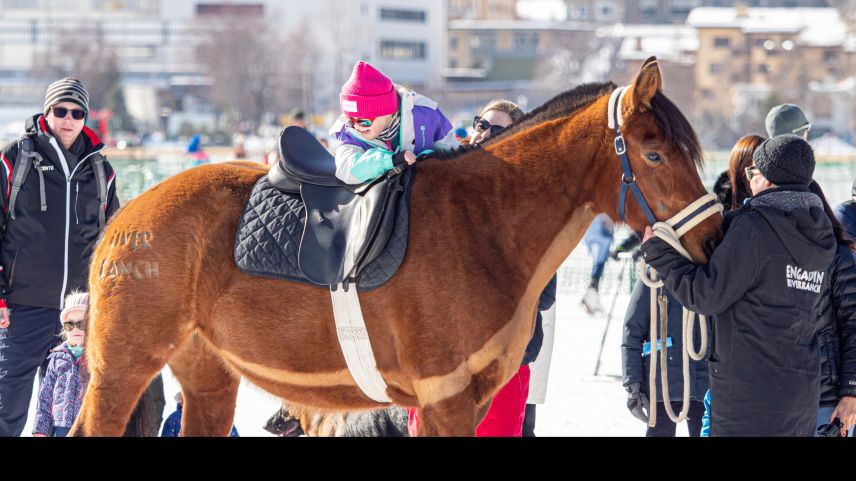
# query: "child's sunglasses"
[62,112]
[69,326]
[362,121]
[480,125]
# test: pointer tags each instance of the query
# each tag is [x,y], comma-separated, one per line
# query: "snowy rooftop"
[667,42]
[816,26]
[528,25]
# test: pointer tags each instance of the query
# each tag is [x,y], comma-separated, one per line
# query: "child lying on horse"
[383,126]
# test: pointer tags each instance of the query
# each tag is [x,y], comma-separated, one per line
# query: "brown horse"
[489,227]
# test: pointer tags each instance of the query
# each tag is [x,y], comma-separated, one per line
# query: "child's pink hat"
[368,93]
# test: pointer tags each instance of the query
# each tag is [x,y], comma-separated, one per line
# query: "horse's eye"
[654,157]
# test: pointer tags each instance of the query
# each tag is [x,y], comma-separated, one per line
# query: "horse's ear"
[646,84]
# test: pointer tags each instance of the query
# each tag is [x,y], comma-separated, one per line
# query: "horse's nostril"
[709,245]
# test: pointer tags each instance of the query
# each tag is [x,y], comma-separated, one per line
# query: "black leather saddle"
[344,228]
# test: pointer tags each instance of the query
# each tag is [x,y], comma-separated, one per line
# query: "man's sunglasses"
[804,130]
[362,121]
[480,125]
[62,112]
[69,326]
[751,171]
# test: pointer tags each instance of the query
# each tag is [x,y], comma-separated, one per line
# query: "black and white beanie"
[68,89]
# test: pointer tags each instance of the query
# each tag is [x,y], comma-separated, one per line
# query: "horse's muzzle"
[710,244]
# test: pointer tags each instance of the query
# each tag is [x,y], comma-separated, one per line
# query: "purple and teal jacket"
[62,391]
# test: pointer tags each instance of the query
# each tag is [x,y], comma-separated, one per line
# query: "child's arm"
[444,136]
[356,166]
[44,419]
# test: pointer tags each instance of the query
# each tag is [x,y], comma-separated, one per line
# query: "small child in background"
[172,425]
[62,390]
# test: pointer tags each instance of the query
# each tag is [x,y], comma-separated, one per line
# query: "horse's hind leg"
[209,389]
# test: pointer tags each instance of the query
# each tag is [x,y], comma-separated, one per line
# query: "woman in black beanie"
[762,284]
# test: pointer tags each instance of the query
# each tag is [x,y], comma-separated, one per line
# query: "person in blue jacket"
[636,351]
[172,425]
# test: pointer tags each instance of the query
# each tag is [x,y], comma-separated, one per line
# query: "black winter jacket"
[635,365]
[44,255]
[763,284]
[837,330]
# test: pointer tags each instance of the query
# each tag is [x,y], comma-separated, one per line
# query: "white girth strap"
[354,339]
[617,96]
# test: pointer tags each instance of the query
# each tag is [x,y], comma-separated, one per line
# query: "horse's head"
[662,156]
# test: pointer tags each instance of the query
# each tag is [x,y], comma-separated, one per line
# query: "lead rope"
[685,220]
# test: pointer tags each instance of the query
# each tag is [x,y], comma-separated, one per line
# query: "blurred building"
[749,58]
[157,43]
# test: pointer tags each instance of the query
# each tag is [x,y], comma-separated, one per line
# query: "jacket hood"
[797,218]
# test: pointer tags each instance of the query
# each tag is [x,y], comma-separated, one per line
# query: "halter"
[670,231]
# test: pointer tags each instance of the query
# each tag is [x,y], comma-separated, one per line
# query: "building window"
[398,50]
[228,9]
[830,56]
[716,68]
[578,12]
[722,42]
[764,68]
[453,42]
[401,15]
[525,41]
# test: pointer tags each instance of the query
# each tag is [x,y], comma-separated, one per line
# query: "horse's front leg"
[457,415]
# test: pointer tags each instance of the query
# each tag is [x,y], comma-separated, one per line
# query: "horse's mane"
[667,115]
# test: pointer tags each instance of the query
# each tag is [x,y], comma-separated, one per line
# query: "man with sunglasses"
[56,192]
[763,284]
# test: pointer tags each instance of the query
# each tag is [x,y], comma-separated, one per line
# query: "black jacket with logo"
[837,330]
[44,255]
[763,284]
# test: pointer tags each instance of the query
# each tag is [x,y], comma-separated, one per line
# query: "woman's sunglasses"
[62,112]
[362,121]
[751,171]
[480,125]
[69,326]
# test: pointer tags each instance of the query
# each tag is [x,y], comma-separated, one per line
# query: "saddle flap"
[340,226]
[282,182]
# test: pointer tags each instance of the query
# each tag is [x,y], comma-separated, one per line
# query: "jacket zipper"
[76,196]
[68,177]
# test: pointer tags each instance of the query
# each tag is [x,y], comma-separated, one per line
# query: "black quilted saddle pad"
[270,229]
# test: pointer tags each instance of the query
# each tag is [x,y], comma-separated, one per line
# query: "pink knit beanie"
[368,93]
